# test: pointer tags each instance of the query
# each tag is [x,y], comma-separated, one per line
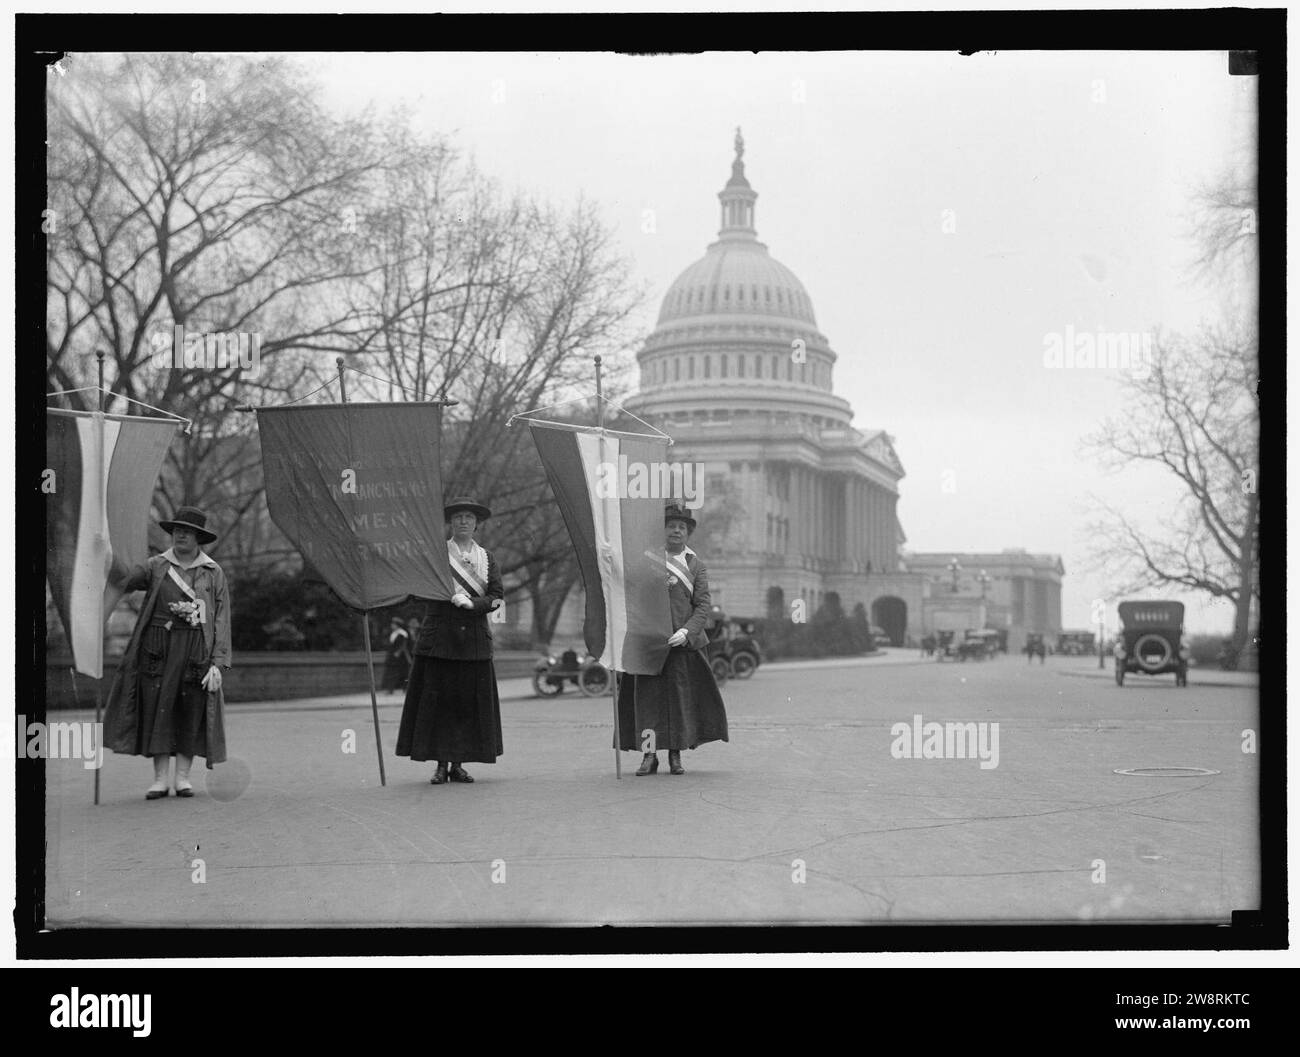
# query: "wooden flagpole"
[609,622]
[365,614]
[99,492]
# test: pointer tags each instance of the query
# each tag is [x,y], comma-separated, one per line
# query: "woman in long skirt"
[166,698]
[452,713]
[681,704]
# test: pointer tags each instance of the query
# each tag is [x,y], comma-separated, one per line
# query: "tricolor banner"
[619,539]
[100,472]
[358,490]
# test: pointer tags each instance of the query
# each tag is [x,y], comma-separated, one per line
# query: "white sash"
[179,581]
[472,575]
[676,566]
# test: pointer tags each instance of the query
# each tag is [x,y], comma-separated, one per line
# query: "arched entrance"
[890,613]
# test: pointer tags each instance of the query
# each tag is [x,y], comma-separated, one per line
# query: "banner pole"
[365,616]
[374,701]
[609,623]
[99,471]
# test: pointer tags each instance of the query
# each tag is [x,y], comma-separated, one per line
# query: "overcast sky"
[1067,178]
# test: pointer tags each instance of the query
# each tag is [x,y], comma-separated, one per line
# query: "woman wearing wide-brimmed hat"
[681,704]
[166,697]
[452,713]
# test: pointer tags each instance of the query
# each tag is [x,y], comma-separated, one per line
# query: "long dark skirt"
[451,712]
[173,704]
[681,705]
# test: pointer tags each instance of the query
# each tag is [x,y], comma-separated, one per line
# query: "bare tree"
[209,195]
[1194,414]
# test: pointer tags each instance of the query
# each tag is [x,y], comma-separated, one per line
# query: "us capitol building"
[797,502]
[738,374]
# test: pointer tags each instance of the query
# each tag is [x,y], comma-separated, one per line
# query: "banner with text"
[357,488]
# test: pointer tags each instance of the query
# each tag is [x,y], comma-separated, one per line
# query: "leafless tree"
[1194,414]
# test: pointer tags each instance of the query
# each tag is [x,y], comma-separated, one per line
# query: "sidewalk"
[1195,676]
[520,689]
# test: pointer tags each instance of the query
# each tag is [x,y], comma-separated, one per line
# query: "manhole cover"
[1166,772]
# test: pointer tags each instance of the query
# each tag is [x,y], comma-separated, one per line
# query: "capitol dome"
[736,335]
[737,276]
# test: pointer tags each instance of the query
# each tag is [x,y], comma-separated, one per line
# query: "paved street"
[805,816]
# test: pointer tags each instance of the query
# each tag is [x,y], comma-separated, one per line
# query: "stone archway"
[890,613]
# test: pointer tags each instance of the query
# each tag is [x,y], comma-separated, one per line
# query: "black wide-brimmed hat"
[673,512]
[464,502]
[190,517]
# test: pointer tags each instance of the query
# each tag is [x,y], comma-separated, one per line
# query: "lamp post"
[984,579]
[954,567]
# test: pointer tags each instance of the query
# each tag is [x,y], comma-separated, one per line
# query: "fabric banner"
[619,539]
[357,488]
[99,481]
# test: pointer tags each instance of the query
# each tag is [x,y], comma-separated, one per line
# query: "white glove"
[495,604]
[461,599]
[212,681]
[678,638]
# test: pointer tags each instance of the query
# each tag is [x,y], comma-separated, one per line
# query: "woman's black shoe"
[440,775]
[155,794]
[649,764]
[459,774]
[675,762]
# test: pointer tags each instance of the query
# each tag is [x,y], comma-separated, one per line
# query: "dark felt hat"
[673,512]
[190,517]
[464,502]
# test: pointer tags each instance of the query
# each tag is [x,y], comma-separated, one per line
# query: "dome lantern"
[738,199]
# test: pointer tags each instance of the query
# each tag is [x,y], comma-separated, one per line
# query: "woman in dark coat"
[166,697]
[452,713]
[681,704]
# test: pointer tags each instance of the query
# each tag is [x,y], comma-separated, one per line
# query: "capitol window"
[722,373]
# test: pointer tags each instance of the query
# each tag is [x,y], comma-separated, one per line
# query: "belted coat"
[122,715]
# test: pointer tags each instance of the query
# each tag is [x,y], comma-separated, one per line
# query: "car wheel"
[594,681]
[721,670]
[545,687]
[743,665]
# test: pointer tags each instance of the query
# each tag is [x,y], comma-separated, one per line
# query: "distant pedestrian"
[452,713]
[166,697]
[397,656]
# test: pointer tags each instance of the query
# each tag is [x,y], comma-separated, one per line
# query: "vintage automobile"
[1076,643]
[552,674]
[1034,644]
[978,645]
[1151,641]
[732,652]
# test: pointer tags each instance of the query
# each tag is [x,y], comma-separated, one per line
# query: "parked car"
[978,645]
[732,650]
[1151,641]
[551,675]
[1076,643]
